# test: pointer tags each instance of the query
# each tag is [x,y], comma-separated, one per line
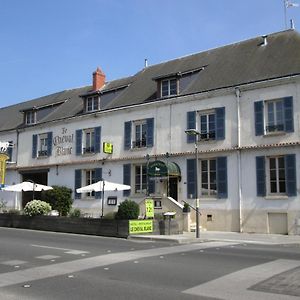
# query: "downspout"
[239,160]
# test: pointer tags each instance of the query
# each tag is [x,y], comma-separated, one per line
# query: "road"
[46,265]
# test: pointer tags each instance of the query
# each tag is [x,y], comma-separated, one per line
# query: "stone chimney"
[98,79]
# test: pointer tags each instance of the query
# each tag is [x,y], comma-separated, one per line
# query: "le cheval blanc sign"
[63,143]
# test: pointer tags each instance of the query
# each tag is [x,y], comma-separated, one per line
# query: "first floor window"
[140,179]
[207,125]
[43,145]
[140,128]
[277,184]
[275,115]
[90,179]
[208,178]
[89,135]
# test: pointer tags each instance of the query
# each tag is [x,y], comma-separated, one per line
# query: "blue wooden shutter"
[127,135]
[191,124]
[220,123]
[10,150]
[77,183]
[150,132]
[259,117]
[34,145]
[290,174]
[288,114]
[49,143]
[260,176]
[78,142]
[150,185]
[222,177]
[191,178]
[126,178]
[97,137]
[98,177]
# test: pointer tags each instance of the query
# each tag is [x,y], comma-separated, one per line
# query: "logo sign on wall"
[108,148]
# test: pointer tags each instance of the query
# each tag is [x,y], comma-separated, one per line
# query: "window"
[92,103]
[169,87]
[140,133]
[43,145]
[89,141]
[208,178]
[277,184]
[90,179]
[157,204]
[140,179]
[207,126]
[275,115]
[111,200]
[30,117]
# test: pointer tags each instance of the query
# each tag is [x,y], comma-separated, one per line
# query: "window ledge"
[276,197]
[275,133]
[208,199]
[138,148]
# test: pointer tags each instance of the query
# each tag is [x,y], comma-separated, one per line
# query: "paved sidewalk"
[207,236]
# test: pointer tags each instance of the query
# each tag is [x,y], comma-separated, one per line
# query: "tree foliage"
[128,210]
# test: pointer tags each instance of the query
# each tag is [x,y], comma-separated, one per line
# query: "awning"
[160,169]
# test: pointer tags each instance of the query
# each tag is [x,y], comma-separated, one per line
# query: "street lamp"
[195,133]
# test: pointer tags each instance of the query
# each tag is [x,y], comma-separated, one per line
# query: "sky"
[47,46]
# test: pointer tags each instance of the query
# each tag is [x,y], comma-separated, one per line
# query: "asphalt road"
[45,265]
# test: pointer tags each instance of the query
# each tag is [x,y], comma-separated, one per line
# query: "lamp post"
[195,133]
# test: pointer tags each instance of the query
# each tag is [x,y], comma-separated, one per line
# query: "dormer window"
[92,103]
[30,117]
[169,87]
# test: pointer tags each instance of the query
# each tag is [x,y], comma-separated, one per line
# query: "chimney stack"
[98,79]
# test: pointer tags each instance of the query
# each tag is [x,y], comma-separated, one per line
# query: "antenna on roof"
[288,4]
[292,24]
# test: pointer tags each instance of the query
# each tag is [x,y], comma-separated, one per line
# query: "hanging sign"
[3,159]
[140,226]
[108,148]
[149,203]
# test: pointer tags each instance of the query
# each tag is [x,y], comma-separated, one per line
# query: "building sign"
[3,159]
[108,148]
[140,226]
[62,143]
[149,204]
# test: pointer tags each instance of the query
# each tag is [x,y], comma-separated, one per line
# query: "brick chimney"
[98,79]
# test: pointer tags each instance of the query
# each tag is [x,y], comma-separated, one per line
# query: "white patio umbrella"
[27,186]
[101,186]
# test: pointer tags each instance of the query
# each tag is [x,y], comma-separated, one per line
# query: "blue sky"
[52,45]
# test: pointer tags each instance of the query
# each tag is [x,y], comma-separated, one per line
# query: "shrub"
[128,210]
[75,213]
[37,207]
[60,199]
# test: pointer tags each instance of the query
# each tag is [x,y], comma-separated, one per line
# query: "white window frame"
[42,145]
[139,141]
[30,117]
[112,200]
[168,82]
[208,134]
[210,192]
[92,103]
[277,177]
[142,176]
[89,178]
[88,141]
[277,126]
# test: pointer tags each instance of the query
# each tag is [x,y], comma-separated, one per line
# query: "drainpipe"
[239,169]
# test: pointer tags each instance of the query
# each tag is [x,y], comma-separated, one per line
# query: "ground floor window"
[90,179]
[208,177]
[140,179]
[276,172]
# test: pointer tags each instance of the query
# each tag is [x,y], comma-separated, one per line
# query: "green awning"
[160,169]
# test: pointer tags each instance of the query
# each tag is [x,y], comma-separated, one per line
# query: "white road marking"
[66,250]
[235,285]
[42,272]
[13,262]
[47,257]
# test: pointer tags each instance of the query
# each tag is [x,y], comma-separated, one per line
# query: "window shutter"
[49,143]
[290,174]
[77,183]
[222,177]
[259,117]
[127,135]
[126,178]
[78,142]
[220,123]
[97,139]
[9,151]
[150,132]
[191,178]
[191,124]
[151,186]
[34,145]
[260,176]
[98,177]
[288,114]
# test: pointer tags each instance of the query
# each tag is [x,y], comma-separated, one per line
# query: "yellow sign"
[108,148]
[149,203]
[140,226]
[3,159]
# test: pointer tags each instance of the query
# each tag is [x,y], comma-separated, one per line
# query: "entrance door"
[173,188]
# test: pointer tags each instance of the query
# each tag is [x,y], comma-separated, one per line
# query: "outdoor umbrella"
[102,186]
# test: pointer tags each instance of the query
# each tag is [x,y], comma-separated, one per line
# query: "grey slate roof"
[231,65]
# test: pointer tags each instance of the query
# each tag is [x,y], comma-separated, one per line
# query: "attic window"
[169,87]
[92,103]
[30,117]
